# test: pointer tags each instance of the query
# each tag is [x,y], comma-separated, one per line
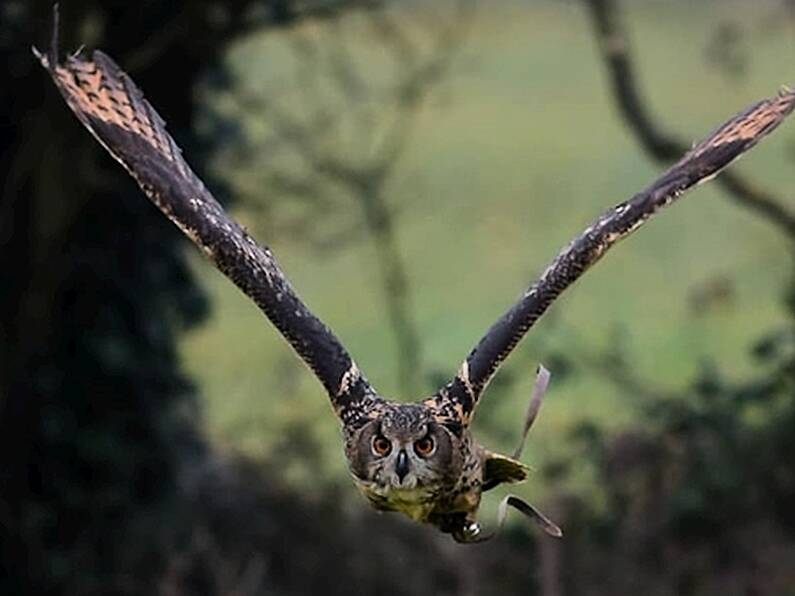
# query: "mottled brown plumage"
[420,459]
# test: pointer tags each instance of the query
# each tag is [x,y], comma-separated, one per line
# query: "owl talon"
[472,530]
[470,534]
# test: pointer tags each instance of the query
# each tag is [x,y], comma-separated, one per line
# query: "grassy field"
[518,151]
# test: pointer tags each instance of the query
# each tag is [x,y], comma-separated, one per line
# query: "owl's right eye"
[381,445]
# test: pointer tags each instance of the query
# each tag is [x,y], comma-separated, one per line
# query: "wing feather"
[731,140]
[113,109]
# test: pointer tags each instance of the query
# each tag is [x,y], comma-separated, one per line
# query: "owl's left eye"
[381,445]
[425,446]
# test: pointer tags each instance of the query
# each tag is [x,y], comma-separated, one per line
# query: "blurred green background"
[517,152]
[414,165]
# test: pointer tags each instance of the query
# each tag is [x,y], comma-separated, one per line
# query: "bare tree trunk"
[396,287]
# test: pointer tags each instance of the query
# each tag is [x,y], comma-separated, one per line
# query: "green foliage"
[698,492]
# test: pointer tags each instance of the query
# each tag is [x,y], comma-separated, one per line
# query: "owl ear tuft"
[499,469]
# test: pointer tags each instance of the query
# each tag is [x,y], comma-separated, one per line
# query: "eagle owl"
[419,458]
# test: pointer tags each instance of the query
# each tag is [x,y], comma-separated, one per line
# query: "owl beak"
[402,465]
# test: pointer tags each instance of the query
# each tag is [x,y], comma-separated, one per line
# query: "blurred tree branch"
[614,45]
[381,118]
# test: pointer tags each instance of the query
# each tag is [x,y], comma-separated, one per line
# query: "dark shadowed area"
[414,165]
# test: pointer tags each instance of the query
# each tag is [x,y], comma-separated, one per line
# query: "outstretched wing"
[458,398]
[113,109]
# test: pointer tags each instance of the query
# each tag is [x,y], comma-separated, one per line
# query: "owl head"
[404,450]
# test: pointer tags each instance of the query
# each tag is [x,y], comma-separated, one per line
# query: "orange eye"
[381,445]
[424,447]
